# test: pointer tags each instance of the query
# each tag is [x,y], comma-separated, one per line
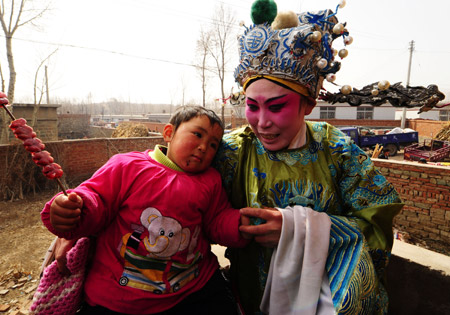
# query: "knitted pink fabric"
[59,294]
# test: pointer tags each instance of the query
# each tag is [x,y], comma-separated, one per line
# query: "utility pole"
[46,85]
[411,49]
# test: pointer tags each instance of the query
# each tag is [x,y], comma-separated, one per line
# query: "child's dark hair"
[186,113]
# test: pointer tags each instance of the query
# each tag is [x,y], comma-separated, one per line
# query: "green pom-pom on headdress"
[263,11]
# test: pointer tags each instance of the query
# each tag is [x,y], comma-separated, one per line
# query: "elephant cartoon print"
[166,237]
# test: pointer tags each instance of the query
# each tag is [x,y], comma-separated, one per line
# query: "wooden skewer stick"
[9,112]
[58,181]
[60,184]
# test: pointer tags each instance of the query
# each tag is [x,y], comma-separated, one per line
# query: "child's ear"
[168,132]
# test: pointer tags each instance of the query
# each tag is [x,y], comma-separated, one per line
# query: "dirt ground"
[24,242]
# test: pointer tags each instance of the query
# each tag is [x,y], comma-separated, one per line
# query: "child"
[155,213]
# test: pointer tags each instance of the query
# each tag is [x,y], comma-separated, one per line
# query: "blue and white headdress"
[298,51]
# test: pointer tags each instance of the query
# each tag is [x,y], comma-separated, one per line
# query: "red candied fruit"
[52,171]
[42,158]
[24,132]
[3,99]
[33,145]
[17,123]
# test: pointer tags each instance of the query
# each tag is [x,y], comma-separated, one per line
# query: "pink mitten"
[59,294]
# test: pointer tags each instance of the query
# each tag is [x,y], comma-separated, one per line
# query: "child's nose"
[202,146]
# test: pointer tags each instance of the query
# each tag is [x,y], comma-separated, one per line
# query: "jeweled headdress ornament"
[293,47]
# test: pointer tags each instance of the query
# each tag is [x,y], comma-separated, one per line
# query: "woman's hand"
[245,221]
[268,233]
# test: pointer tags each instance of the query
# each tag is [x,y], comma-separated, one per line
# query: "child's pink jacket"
[154,227]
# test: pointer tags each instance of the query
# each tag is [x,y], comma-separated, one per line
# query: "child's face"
[194,144]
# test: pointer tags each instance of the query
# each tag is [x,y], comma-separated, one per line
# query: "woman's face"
[276,114]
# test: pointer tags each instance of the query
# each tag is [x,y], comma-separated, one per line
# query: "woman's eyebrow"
[269,99]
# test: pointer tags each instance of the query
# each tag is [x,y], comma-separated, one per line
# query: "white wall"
[346,111]
[384,112]
[414,114]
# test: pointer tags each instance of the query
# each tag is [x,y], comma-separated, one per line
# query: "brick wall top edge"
[381,163]
[108,139]
[34,105]
[85,140]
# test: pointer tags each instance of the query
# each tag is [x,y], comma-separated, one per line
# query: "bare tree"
[202,63]
[37,102]
[3,125]
[222,40]
[13,15]
[2,79]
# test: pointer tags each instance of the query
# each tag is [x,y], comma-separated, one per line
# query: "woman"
[284,162]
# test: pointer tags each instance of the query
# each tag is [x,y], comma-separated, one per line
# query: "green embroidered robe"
[328,174]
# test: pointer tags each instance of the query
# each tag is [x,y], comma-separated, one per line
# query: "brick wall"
[78,158]
[426,128]
[425,190]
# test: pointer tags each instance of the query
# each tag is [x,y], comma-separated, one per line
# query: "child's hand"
[245,220]
[62,247]
[65,212]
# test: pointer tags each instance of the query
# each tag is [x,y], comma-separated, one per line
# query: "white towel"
[297,282]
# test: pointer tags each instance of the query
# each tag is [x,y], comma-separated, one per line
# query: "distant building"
[441,114]
[100,120]
[325,110]
[159,118]
[73,126]
[116,119]
[46,126]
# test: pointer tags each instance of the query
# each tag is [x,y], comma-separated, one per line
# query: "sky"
[143,50]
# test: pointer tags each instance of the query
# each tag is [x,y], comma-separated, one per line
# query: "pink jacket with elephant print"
[154,226]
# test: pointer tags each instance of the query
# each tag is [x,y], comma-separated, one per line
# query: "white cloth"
[395,130]
[297,282]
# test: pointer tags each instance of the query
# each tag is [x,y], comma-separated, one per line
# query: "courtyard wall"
[425,189]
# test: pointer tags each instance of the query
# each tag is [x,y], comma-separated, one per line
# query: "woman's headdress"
[291,48]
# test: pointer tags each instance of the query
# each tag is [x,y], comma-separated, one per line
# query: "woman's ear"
[309,104]
[168,132]
[309,109]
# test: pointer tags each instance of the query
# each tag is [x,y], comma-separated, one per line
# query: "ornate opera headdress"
[294,49]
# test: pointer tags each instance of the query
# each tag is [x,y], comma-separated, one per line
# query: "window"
[327,112]
[364,113]
[444,115]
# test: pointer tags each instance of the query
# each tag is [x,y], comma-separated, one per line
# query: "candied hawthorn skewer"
[42,158]
[34,145]
[24,132]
